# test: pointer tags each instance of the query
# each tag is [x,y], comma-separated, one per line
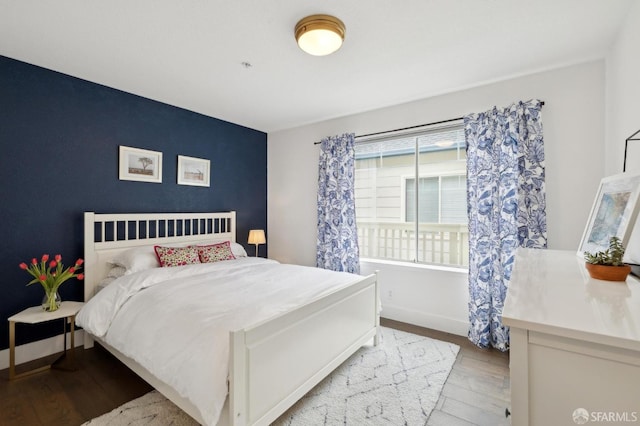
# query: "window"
[388,201]
[442,199]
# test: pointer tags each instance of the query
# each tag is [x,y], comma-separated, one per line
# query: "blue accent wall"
[59,139]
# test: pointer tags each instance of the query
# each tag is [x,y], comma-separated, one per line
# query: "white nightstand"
[35,315]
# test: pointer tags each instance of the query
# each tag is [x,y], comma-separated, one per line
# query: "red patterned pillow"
[177,256]
[215,252]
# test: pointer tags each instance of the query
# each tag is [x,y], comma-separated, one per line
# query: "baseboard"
[40,349]
[424,319]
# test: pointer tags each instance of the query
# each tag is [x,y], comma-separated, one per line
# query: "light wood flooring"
[476,392]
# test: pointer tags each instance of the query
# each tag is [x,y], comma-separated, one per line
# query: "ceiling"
[190,53]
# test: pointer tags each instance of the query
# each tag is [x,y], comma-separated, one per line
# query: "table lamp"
[256,236]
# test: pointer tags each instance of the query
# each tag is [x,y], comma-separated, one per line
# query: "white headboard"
[107,235]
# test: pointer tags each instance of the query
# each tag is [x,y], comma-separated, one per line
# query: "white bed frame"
[273,363]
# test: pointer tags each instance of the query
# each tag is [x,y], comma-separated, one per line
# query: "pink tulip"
[72,270]
[80,276]
[34,261]
[52,264]
[23,265]
[58,258]
[42,278]
[45,257]
[79,262]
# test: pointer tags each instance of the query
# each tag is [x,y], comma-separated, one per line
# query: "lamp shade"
[256,236]
[320,35]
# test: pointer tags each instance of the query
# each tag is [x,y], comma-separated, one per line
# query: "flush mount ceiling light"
[320,35]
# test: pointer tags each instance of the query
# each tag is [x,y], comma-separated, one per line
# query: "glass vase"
[51,301]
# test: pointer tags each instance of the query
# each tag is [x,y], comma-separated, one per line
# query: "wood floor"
[476,393]
[59,398]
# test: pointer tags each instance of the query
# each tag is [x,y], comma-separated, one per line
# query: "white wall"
[623,90]
[573,120]
[623,107]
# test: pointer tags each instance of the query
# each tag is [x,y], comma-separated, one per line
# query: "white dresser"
[575,343]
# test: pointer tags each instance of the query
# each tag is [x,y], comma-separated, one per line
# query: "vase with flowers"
[51,274]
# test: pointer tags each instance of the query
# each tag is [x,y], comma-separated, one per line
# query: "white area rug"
[395,383]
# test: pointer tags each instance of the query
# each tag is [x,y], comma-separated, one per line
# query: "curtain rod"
[409,128]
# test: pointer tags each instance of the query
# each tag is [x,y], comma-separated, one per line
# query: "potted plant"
[608,265]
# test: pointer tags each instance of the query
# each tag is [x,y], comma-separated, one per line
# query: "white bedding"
[176,321]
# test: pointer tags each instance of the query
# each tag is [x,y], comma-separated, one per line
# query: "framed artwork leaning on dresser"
[613,213]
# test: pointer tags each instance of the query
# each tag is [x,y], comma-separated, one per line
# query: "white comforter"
[176,321]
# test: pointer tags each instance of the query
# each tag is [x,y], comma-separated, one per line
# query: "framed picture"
[614,212]
[140,164]
[193,171]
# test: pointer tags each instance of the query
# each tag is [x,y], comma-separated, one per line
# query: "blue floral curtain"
[506,207]
[337,233]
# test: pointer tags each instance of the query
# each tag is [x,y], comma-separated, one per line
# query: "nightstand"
[35,315]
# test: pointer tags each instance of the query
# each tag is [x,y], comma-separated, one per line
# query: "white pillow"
[136,259]
[116,271]
[238,250]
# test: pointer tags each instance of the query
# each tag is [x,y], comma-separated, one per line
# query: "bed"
[273,359]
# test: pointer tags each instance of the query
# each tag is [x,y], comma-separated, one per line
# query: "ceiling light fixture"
[320,35]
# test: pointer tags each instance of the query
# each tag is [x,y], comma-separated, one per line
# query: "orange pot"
[608,272]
